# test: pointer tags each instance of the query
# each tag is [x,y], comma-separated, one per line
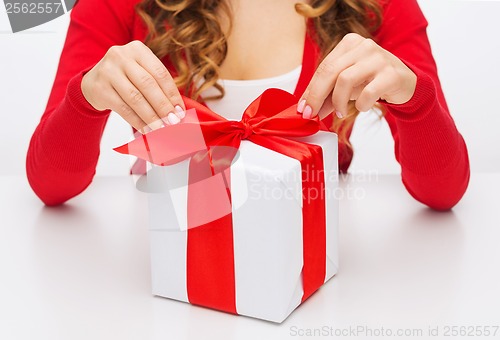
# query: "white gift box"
[266,197]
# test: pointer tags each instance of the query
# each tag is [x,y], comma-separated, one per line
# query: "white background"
[463,34]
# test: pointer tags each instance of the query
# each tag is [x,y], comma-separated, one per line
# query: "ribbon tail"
[123,149]
[167,145]
[210,272]
[313,206]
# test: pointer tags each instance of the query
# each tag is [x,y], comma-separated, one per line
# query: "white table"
[81,271]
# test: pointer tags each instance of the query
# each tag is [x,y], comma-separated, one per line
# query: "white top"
[240,93]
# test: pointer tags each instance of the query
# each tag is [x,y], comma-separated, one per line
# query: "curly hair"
[191,36]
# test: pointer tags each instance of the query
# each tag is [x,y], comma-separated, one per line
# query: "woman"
[136,58]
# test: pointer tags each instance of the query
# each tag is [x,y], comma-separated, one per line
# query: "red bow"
[273,115]
[211,142]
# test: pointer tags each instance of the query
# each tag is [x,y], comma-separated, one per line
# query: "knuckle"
[161,73]
[351,38]
[343,78]
[114,52]
[125,111]
[369,44]
[326,68]
[147,81]
[379,60]
[172,93]
[135,44]
[135,96]
[370,91]
[105,66]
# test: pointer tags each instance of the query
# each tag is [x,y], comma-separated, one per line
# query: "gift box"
[243,215]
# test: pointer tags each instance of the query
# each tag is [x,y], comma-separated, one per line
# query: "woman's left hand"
[356,69]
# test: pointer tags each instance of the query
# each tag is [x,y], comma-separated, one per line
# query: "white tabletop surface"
[82,270]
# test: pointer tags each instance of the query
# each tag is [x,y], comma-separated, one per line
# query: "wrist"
[77,98]
[423,98]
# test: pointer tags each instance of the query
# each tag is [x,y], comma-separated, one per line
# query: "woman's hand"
[134,83]
[356,69]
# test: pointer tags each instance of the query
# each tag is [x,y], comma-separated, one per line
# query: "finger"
[323,80]
[150,89]
[148,60]
[327,108]
[372,92]
[136,100]
[348,42]
[349,79]
[125,111]
[356,91]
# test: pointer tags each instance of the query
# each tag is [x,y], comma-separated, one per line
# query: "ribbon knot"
[247,130]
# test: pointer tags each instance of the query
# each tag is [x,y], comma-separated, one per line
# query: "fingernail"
[146,129]
[172,118]
[339,114]
[179,111]
[300,107]
[307,112]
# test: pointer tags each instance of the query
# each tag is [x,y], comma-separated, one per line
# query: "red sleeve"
[432,153]
[64,148]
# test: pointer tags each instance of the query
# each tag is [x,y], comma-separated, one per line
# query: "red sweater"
[64,149]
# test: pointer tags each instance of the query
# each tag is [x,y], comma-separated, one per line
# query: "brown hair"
[190,34]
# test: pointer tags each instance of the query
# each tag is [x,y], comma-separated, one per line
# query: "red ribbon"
[212,142]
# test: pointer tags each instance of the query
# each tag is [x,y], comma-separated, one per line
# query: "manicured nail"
[146,129]
[172,118]
[339,114]
[300,107]
[179,111]
[307,112]
[165,119]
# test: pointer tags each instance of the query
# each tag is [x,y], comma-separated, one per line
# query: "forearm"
[431,151]
[64,149]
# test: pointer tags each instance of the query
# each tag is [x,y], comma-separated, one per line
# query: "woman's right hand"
[134,83]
